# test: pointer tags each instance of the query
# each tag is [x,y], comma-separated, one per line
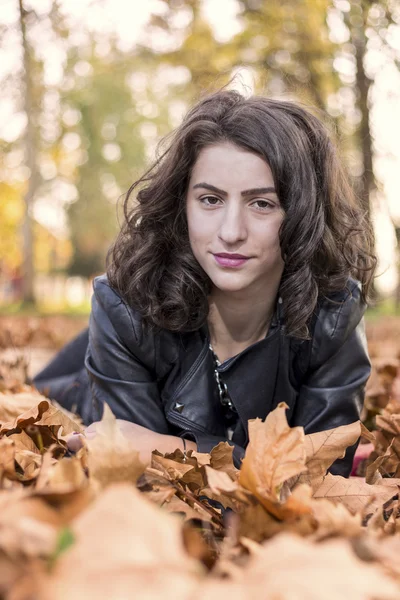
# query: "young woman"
[239,280]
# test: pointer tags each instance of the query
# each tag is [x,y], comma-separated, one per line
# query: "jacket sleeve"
[120,362]
[332,393]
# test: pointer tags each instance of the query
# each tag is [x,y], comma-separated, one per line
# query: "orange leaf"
[354,493]
[275,453]
[112,456]
[323,448]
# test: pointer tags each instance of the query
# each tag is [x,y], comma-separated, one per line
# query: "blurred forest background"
[89,88]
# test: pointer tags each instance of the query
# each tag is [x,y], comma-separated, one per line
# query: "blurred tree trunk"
[30,161]
[357,24]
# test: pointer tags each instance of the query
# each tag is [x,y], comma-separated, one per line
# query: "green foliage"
[65,540]
[123,101]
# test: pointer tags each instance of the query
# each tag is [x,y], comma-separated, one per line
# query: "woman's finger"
[75,442]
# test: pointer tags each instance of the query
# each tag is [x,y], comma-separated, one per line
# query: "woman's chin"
[231,286]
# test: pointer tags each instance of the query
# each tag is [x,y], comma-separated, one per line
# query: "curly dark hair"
[325,236]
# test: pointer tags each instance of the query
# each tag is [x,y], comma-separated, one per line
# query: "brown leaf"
[307,571]
[112,456]
[27,537]
[177,505]
[379,465]
[354,493]
[386,551]
[124,546]
[160,495]
[30,463]
[43,414]
[275,453]
[64,476]
[14,405]
[368,435]
[48,462]
[55,418]
[257,524]
[22,441]
[219,481]
[175,467]
[221,459]
[7,456]
[28,417]
[323,448]
[335,520]
[202,458]
[172,470]
[28,527]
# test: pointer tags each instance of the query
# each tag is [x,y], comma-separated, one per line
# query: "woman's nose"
[233,224]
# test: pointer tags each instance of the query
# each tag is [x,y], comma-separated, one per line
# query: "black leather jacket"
[165,381]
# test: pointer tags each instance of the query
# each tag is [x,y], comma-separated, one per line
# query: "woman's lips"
[225,261]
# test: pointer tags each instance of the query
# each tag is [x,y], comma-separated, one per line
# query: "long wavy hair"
[325,237]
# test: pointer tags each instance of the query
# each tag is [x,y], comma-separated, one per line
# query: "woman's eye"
[263,204]
[209,200]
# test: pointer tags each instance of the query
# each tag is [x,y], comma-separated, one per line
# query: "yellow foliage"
[50,252]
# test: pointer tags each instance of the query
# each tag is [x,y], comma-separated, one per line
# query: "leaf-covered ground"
[98,524]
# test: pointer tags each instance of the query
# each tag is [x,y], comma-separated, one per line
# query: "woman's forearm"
[169,443]
[146,439]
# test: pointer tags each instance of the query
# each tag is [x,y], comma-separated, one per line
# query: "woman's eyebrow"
[210,187]
[261,190]
[252,192]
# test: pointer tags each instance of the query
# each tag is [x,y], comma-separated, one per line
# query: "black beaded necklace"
[221,385]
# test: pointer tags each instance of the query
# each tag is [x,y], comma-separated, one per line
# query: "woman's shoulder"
[126,321]
[114,306]
[341,311]
[337,316]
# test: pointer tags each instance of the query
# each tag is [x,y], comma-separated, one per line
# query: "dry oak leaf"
[323,448]
[18,579]
[63,476]
[7,459]
[367,434]
[27,537]
[171,469]
[275,453]
[219,481]
[125,547]
[177,505]
[221,459]
[354,493]
[380,465]
[30,463]
[386,550]
[388,422]
[43,413]
[27,456]
[188,471]
[291,568]
[335,520]
[229,493]
[28,417]
[22,441]
[155,486]
[112,456]
[13,405]
[255,523]
[28,526]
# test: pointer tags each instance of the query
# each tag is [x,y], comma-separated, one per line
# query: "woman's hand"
[143,440]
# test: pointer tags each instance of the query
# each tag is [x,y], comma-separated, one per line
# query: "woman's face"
[233,211]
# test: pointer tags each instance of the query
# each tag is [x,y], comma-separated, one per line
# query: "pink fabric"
[362,453]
